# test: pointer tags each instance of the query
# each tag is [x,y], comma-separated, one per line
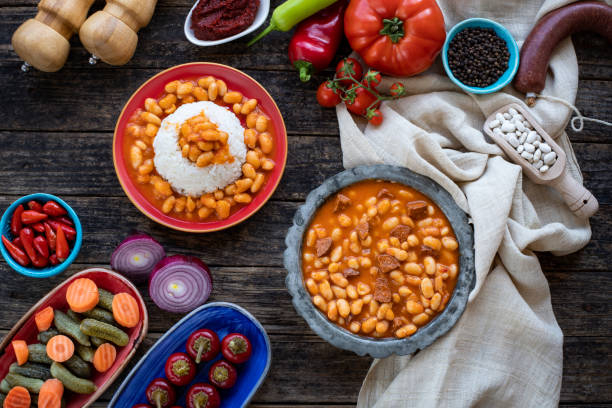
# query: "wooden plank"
[580,299]
[90,156]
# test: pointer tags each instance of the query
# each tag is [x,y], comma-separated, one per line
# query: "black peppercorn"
[478,56]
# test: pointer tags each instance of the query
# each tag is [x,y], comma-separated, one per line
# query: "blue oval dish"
[504,34]
[221,317]
[5,228]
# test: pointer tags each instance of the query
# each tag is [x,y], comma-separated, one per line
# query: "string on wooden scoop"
[579,119]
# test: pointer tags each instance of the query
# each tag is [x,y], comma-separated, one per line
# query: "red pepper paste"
[216,19]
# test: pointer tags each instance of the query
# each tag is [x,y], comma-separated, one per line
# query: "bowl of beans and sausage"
[380,260]
[200,147]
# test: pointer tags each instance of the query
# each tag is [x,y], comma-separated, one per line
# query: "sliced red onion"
[180,283]
[136,256]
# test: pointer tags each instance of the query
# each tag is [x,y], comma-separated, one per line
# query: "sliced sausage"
[384,193]
[382,290]
[342,203]
[401,232]
[362,230]
[416,209]
[348,272]
[387,263]
[323,245]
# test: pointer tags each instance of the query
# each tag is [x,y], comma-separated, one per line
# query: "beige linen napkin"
[506,350]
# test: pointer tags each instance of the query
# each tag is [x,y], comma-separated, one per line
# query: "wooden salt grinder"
[42,41]
[110,34]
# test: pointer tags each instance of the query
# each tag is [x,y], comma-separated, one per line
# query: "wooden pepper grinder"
[110,34]
[42,41]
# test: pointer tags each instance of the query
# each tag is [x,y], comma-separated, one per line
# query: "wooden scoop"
[42,41]
[110,34]
[578,198]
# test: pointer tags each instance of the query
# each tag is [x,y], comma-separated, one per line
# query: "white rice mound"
[182,174]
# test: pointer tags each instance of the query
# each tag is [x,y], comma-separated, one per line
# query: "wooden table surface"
[56,133]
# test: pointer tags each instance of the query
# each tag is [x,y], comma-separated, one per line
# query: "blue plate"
[221,317]
[504,34]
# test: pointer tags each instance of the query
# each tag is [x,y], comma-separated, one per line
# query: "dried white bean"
[529,147]
[514,142]
[536,143]
[519,125]
[522,138]
[531,137]
[508,127]
[520,149]
[527,156]
[543,169]
[507,116]
[494,124]
[537,155]
[527,125]
[549,158]
[499,117]
[512,111]
[545,148]
[539,164]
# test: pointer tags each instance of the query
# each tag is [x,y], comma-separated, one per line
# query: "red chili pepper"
[65,220]
[68,231]
[61,245]
[223,374]
[35,205]
[180,369]
[17,242]
[51,236]
[40,261]
[236,348]
[41,246]
[16,220]
[53,209]
[27,239]
[17,254]
[38,227]
[31,216]
[53,260]
[316,40]
[203,345]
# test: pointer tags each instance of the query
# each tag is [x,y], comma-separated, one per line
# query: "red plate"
[25,329]
[236,81]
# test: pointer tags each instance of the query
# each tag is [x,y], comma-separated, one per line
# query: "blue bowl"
[504,34]
[5,228]
[221,317]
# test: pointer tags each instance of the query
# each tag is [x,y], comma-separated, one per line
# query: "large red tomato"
[397,37]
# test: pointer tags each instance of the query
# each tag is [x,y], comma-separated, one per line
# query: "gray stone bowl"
[343,338]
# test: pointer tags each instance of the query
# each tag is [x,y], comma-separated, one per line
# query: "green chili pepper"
[290,13]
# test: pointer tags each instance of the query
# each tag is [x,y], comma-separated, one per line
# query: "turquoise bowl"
[504,34]
[5,228]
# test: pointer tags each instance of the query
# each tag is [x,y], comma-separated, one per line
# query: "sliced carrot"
[82,295]
[21,351]
[18,397]
[104,357]
[50,394]
[125,310]
[44,319]
[60,348]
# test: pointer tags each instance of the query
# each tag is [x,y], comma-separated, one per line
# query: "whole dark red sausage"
[549,30]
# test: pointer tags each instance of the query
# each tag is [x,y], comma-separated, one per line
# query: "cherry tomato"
[360,99]
[180,369]
[372,78]
[203,395]
[203,345]
[160,393]
[398,89]
[327,96]
[349,68]
[223,374]
[236,348]
[375,117]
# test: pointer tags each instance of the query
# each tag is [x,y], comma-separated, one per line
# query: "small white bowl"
[260,17]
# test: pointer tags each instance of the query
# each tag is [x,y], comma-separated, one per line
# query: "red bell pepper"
[316,40]
[53,209]
[61,245]
[51,236]
[17,254]
[16,220]
[31,216]
[41,246]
